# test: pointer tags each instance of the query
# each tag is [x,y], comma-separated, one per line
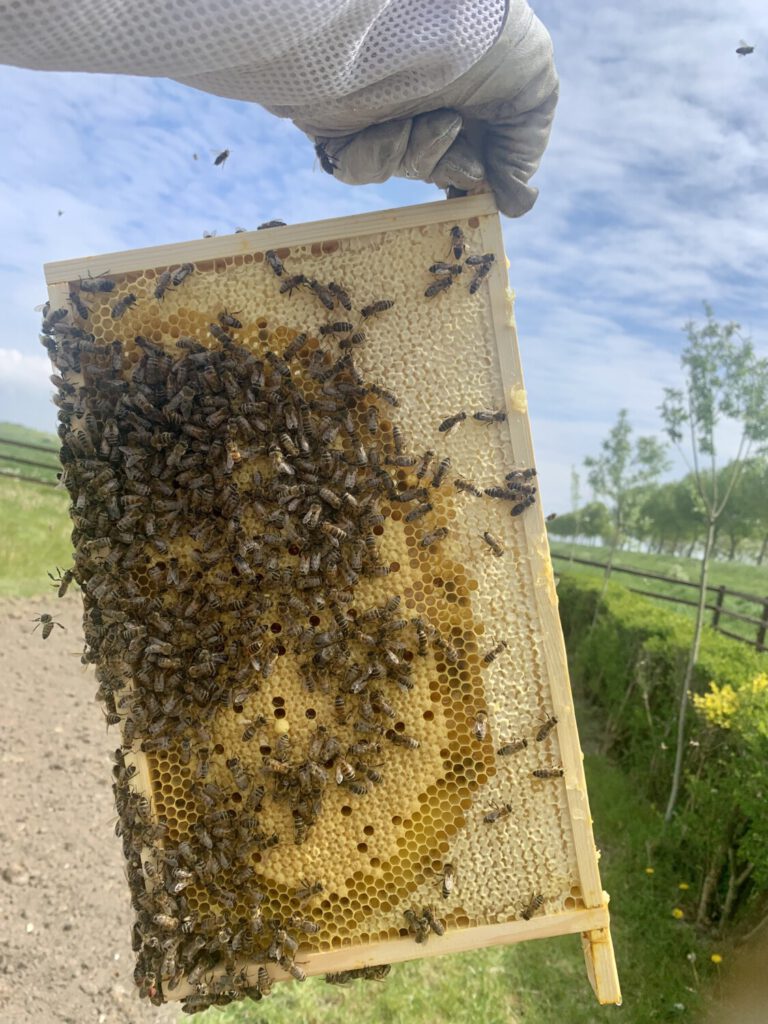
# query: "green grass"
[35,532]
[751,579]
[536,982]
[14,432]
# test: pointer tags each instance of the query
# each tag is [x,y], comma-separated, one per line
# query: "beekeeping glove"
[489,127]
[458,92]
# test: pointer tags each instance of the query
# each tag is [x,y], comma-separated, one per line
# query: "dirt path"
[65,916]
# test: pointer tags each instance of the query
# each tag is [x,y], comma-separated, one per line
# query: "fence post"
[760,641]
[718,606]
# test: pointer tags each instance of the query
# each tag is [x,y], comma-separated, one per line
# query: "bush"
[629,667]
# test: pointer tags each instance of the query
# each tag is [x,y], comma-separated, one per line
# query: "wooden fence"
[716,606]
[49,479]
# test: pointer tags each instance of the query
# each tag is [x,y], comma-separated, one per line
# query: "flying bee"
[432,538]
[47,622]
[458,244]
[489,416]
[322,293]
[536,901]
[481,273]
[439,475]
[497,813]
[494,652]
[480,261]
[494,544]
[744,49]
[548,773]
[451,422]
[122,304]
[436,926]
[339,327]
[295,346]
[181,274]
[507,749]
[80,307]
[380,306]
[221,158]
[290,283]
[229,320]
[446,268]
[440,285]
[550,517]
[62,580]
[480,725]
[162,285]
[546,729]
[340,294]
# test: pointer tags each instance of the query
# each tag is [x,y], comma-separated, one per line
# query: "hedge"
[628,668]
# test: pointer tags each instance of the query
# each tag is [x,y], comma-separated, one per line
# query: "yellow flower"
[677,913]
[649,871]
[683,885]
[716,958]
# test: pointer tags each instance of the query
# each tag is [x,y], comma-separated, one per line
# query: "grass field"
[538,982]
[749,579]
[34,538]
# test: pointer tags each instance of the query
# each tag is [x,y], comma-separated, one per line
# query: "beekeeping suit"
[456,92]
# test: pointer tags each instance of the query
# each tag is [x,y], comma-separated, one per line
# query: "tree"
[621,474]
[575,506]
[724,379]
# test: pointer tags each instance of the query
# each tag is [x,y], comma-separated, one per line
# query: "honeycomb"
[241,618]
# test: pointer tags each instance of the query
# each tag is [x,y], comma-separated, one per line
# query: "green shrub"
[629,668]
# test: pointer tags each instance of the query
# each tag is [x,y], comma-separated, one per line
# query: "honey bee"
[548,773]
[417,925]
[296,972]
[497,813]
[327,162]
[380,306]
[546,729]
[96,284]
[271,224]
[494,652]
[337,291]
[166,922]
[252,728]
[458,244]
[80,307]
[521,506]
[446,268]
[322,293]
[48,622]
[418,512]
[275,262]
[290,283]
[295,346]
[489,416]
[162,285]
[308,890]
[388,396]
[494,544]
[452,421]
[551,516]
[479,261]
[339,327]
[181,274]
[303,924]
[507,749]
[440,285]
[432,538]
[229,320]
[345,772]
[480,725]
[448,882]
[439,475]
[744,49]
[436,926]
[401,739]
[221,158]
[62,580]
[536,901]
[480,275]
[122,304]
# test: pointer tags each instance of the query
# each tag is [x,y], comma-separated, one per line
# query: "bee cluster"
[277,471]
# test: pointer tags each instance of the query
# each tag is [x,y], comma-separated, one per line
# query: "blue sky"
[653,199]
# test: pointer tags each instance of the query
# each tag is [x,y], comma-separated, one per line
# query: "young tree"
[575,507]
[724,379]
[621,474]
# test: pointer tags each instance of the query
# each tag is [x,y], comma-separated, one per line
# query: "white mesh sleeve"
[280,53]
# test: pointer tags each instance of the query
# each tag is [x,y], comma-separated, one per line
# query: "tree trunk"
[689,552]
[709,884]
[693,657]
[763,550]
[606,577]
[732,549]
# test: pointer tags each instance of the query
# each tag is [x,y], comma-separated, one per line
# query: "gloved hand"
[489,127]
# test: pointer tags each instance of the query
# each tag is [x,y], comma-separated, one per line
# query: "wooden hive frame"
[379,237]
